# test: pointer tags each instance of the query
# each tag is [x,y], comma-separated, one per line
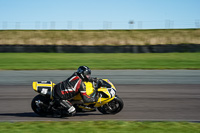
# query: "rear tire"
[113,107]
[40,109]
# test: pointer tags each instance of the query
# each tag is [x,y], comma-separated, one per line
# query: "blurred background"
[130,22]
[99,25]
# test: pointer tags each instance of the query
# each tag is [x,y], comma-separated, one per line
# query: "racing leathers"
[71,87]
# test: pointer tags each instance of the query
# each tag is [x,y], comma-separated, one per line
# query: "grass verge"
[63,61]
[99,127]
[100,37]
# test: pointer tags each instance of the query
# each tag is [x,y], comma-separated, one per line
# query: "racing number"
[44,91]
[112,92]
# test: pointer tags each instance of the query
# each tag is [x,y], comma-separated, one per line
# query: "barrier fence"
[93,25]
[101,49]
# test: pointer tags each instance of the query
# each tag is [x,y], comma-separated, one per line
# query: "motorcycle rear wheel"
[113,107]
[40,109]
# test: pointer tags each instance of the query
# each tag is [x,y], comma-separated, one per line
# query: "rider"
[72,86]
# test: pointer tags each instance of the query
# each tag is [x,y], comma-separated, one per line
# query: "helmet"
[84,72]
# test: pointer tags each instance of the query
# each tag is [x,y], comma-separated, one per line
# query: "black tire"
[41,110]
[113,107]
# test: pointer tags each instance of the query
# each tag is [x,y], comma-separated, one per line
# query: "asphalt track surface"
[173,96]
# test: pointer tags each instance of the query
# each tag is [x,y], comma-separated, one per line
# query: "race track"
[143,102]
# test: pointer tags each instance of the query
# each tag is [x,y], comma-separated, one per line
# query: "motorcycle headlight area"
[112,92]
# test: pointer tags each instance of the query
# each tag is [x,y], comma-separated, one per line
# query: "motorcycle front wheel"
[113,107]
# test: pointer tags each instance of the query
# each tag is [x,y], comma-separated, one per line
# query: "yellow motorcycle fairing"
[109,93]
[44,87]
[89,91]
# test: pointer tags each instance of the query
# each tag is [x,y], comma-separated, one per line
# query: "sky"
[99,14]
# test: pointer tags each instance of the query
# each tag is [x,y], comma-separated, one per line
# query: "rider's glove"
[95,80]
[98,84]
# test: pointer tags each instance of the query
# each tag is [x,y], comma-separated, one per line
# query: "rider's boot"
[68,106]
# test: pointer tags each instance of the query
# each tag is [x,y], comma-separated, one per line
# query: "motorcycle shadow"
[25,114]
[87,114]
[32,114]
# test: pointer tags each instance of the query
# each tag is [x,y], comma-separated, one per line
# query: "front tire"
[113,107]
[39,105]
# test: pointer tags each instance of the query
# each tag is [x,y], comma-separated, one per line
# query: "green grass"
[100,37]
[64,61]
[99,127]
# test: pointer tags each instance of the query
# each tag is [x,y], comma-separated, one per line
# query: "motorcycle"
[44,105]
